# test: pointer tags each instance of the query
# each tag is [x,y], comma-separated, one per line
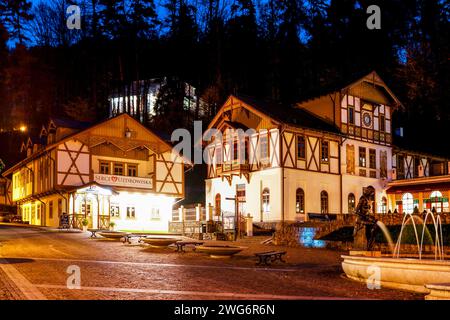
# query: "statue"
[366,226]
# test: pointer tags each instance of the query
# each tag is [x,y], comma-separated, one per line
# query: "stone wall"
[287,233]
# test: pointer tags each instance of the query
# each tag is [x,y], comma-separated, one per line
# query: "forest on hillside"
[282,50]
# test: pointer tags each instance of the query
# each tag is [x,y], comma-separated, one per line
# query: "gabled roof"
[342,85]
[77,134]
[290,115]
[284,114]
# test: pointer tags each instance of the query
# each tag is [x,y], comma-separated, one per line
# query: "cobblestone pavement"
[38,261]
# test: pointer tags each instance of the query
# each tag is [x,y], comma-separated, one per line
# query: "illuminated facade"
[117,170]
[315,158]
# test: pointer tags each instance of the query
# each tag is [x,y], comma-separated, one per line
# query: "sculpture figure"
[366,226]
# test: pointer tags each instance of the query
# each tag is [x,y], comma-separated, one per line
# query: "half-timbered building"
[316,157]
[271,172]
[117,170]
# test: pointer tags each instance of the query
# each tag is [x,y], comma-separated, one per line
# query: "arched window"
[218,204]
[408,203]
[266,200]
[438,202]
[351,203]
[323,202]
[300,201]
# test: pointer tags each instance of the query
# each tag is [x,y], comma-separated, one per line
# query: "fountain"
[413,272]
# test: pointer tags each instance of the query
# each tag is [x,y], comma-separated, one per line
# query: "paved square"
[34,263]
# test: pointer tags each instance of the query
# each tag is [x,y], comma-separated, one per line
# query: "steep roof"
[70,123]
[344,84]
[289,115]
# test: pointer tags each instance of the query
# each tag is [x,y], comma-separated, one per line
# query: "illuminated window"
[301,147]
[438,202]
[131,212]
[325,151]
[351,203]
[383,205]
[300,201]
[323,202]
[264,147]
[218,205]
[132,170]
[154,214]
[118,169]
[104,167]
[115,210]
[362,157]
[408,203]
[266,200]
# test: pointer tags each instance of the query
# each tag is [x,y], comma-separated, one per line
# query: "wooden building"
[316,157]
[117,170]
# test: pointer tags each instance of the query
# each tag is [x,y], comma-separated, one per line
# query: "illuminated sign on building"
[123,181]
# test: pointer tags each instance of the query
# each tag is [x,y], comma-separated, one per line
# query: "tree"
[15,15]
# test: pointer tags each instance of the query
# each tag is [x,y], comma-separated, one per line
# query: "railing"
[76,221]
[235,166]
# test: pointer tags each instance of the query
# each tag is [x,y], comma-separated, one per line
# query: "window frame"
[299,201]
[351,199]
[265,200]
[362,161]
[265,137]
[324,204]
[327,144]
[118,164]
[133,166]
[133,215]
[101,165]
[351,111]
[301,155]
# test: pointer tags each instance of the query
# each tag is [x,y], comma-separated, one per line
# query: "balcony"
[235,166]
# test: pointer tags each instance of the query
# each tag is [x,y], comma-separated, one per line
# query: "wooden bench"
[127,238]
[266,258]
[94,232]
[182,244]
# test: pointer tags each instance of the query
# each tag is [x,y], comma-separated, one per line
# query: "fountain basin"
[405,274]
[112,234]
[219,251]
[438,291]
[160,242]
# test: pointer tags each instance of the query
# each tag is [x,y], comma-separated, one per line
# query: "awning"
[425,187]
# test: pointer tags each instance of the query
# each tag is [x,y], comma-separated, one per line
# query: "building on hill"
[315,157]
[116,170]
[139,98]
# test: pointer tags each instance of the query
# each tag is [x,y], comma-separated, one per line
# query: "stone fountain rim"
[399,260]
